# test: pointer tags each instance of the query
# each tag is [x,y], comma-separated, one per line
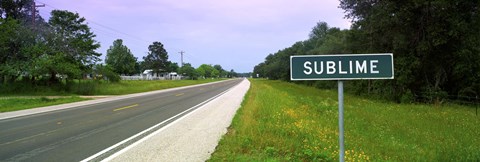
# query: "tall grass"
[131,86]
[21,95]
[13,104]
[93,87]
[281,121]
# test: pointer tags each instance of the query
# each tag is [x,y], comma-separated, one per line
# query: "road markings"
[147,135]
[126,107]
[29,137]
[180,94]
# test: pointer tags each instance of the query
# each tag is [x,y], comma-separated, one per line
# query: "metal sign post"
[341,67]
[340,120]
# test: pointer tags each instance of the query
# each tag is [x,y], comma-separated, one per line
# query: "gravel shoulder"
[192,137]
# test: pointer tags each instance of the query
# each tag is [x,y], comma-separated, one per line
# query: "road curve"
[77,133]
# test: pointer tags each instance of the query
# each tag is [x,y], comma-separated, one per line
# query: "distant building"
[150,75]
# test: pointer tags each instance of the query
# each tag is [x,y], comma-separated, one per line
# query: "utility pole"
[34,12]
[181,56]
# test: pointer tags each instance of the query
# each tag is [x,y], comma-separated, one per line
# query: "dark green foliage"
[221,72]
[49,54]
[206,71]
[87,87]
[435,46]
[189,71]
[121,59]
[74,42]
[15,9]
[232,74]
[107,73]
[172,67]
[157,58]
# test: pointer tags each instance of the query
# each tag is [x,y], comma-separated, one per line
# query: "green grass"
[14,104]
[130,86]
[14,95]
[281,121]
[93,87]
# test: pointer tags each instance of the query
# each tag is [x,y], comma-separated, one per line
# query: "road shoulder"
[192,138]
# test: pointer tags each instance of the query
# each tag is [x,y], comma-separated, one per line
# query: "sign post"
[340,121]
[341,67]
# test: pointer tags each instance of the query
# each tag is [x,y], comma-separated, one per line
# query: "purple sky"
[235,34]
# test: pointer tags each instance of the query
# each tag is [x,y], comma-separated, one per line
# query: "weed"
[288,122]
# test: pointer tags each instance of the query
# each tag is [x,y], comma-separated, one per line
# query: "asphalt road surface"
[78,133]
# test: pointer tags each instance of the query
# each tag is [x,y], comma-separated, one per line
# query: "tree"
[8,46]
[232,74]
[106,72]
[121,59]
[435,43]
[73,44]
[215,73]
[15,9]
[188,70]
[221,71]
[157,58]
[319,32]
[205,70]
[201,72]
[172,67]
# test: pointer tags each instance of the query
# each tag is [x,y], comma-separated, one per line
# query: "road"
[78,133]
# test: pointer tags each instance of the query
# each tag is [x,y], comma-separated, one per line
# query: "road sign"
[341,67]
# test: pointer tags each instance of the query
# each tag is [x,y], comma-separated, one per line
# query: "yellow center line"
[180,94]
[202,88]
[30,137]
[126,107]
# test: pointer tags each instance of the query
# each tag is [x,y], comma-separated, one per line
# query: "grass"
[14,95]
[136,86]
[93,87]
[281,121]
[14,104]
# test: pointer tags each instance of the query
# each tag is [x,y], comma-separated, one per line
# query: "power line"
[104,26]
[109,31]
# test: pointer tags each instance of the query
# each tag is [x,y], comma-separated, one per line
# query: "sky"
[236,34]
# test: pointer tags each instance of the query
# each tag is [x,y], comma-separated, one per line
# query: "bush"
[84,88]
[107,73]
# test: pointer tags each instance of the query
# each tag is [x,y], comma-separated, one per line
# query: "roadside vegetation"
[434,45]
[24,96]
[14,104]
[60,57]
[281,121]
[95,87]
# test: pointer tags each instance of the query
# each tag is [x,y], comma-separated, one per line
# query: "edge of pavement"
[38,110]
[192,137]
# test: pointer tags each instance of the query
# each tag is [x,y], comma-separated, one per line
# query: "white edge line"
[151,134]
[61,107]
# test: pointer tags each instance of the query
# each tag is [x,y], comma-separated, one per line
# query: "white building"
[150,75]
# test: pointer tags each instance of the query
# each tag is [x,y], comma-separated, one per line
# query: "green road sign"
[341,67]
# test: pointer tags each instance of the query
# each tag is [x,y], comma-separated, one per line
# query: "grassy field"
[281,121]
[92,87]
[13,97]
[13,104]
[134,86]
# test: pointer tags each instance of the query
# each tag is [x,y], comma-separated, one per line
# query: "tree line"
[435,44]
[63,49]
[120,60]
